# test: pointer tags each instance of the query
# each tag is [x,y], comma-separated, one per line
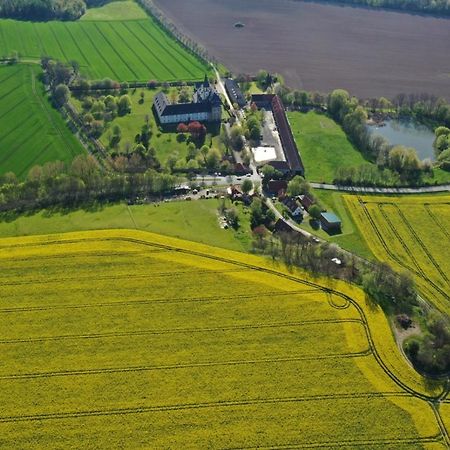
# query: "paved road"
[375,190]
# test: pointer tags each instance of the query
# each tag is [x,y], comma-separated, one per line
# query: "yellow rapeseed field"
[126,339]
[411,233]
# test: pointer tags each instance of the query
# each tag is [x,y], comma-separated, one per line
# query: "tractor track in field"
[429,399]
[361,443]
[420,242]
[223,328]
[146,275]
[395,257]
[180,366]
[164,301]
[435,219]
[187,406]
[113,48]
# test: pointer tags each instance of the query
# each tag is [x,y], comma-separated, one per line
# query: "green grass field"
[411,233]
[351,238]
[127,10]
[196,221]
[32,131]
[323,145]
[124,50]
[164,142]
[134,340]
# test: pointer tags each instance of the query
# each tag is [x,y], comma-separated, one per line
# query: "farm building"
[330,222]
[234,93]
[291,155]
[293,207]
[306,201]
[206,106]
[276,187]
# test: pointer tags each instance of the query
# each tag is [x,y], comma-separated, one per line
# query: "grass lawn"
[351,238]
[31,130]
[323,145]
[164,142]
[127,10]
[195,221]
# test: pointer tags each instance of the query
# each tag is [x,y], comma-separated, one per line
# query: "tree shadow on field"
[91,207]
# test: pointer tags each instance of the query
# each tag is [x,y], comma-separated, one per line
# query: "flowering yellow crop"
[126,339]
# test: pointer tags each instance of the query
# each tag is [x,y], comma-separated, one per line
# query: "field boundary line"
[148,368]
[179,331]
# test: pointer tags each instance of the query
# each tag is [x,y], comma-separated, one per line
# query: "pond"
[409,134]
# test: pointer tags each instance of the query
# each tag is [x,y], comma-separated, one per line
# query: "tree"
[298,186]
[212,159]
[247,186]
[124,105]
[315,212]
[236,138]
[61,95]
[338,104]
[197,130]
[182,128]
[444,159]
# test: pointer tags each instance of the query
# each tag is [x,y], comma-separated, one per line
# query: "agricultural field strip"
[49,116]
[222,404]
[149,368]
[415,238]
[130,60]
[178,331]
[412,255]
[387,248]
[213,257]
[133,410]
[218,299]
[145,275]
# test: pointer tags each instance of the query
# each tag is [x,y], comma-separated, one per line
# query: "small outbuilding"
[330,222]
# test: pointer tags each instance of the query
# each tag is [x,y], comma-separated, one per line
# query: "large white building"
[206,106]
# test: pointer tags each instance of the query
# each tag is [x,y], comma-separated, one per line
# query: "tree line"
[46,9]
[55,184]
[423,6]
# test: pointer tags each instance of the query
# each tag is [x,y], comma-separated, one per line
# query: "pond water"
[409,134]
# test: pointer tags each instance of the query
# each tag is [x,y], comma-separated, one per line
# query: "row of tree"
[55,184]
[423,6]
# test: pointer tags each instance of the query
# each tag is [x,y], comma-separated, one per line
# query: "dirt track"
[321,46]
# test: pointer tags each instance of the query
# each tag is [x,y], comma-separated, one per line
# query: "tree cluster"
[423,6]
[442,147]
[42,9]
[431,353]
[55,184]
[393,162]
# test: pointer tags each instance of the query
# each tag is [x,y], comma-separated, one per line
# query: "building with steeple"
[206,106]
